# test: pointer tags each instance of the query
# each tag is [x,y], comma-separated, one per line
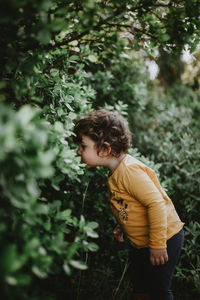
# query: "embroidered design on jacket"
[124,212]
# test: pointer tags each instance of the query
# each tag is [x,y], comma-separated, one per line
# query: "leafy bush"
[168,132]
[54,56]
[123,79]
[40,236]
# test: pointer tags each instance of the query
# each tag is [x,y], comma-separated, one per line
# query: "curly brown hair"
[105,126]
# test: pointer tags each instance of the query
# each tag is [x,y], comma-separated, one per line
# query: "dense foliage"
[169,134]
[58,60]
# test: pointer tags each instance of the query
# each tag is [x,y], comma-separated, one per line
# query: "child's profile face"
[88,152]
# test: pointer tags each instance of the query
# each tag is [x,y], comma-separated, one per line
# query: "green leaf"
[164,37]
[64,215]
[44,36]
[81,222]
[54,72]
[11,261]
[11,280]
[136,47]
[32,245]
[67,268]
[92,247]
[39,272]
[93,225]
[72,250]
[58,126]
[91,233]
[92,58]
[78,264]
[18,279]
[3,84]
[46,157]
[73,43]
[46,4]
[72,116]
[41,209]
[74,57]
[25,114]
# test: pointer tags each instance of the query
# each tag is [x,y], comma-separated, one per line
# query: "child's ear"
[105,150]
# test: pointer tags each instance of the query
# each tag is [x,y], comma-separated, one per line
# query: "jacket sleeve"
[141,187]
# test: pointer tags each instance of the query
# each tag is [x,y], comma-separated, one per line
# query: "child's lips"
[82,161]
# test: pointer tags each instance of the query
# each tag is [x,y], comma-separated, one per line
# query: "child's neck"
[113,162]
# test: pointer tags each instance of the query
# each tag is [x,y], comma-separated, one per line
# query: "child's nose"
[79,151]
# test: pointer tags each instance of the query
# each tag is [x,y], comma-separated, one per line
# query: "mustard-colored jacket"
[145,212]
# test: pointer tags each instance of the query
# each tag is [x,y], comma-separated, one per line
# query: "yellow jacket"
[145,212]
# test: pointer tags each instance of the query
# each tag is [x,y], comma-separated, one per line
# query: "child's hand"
[118,234]
[158,256]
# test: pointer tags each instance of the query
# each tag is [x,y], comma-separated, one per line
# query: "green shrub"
[58,60]
[168,133]
[122,79]
[39,234]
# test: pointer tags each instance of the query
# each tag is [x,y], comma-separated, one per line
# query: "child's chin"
[89,166]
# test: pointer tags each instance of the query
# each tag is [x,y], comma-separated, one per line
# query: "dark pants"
[155,280]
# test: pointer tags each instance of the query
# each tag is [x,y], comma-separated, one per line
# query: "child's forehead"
[86,140]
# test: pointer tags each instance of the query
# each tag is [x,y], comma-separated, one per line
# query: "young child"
[143,210]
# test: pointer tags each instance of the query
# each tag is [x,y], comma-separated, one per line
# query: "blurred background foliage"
[60,59]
